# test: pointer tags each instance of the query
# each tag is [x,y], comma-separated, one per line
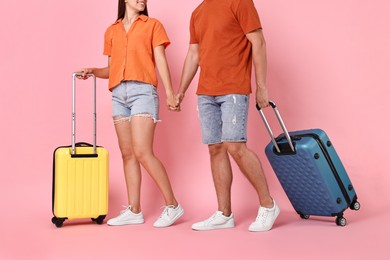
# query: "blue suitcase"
[310,172]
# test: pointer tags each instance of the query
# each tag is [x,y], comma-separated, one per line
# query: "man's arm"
[190,68]
[260,63]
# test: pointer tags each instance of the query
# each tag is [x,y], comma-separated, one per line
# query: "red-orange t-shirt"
[225,56]
[131,53]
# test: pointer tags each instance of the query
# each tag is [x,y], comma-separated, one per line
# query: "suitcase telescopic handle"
[74,76]
[273,105]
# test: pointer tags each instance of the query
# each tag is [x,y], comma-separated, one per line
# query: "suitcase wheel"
[355,205]
[58,221]
[303,216]
[99,220]
[341,221]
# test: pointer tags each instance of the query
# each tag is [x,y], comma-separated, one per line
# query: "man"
[225,36]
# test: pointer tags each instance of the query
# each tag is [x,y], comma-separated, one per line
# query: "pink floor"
[27,233]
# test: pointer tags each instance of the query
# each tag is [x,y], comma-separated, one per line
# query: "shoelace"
[166,212]
[126,208]
[210,219]
[262,217]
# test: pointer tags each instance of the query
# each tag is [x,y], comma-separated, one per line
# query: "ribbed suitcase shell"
[313,177]
[80,184]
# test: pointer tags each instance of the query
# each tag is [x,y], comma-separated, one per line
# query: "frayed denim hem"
[121,119]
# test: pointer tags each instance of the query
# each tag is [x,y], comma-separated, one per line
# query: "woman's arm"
[163,70]
[102,73]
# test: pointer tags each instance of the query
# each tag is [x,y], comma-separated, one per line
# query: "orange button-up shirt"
[225,53]
[132,52]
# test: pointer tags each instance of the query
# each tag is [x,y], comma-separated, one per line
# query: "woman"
[135,45]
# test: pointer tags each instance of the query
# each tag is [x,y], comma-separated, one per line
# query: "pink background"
[328,68]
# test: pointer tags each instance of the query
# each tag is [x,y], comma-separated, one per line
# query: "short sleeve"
[108,35]
[247,16]
[160,36]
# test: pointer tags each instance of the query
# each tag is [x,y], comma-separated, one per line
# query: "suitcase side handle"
[274,107]
[74,76]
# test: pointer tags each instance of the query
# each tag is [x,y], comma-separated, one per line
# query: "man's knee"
[215,149]
[235,149]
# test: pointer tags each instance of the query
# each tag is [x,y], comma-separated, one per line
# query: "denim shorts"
[132,98]
[223,118]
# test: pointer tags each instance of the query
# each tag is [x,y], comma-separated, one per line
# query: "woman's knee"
[128,155]
[142,154]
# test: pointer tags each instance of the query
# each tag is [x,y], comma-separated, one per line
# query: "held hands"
[174,102]
[179,98]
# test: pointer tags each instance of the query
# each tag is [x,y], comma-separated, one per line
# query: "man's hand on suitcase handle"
[262,97]
[270,103]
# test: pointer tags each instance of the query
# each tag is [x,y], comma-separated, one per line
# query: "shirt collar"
[142,17]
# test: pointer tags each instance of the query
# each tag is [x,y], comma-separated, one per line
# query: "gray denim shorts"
[223,118]
[134,98]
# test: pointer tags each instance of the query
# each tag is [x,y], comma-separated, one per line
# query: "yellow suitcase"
[80,177]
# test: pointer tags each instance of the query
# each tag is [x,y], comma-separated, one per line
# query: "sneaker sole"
[225,226]
[127,223]
[172,222]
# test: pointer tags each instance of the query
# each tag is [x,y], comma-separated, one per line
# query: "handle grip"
[274,107]
[74,75]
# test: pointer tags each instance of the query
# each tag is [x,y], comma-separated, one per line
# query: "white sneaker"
[265,218]
[126,217]
[216,221]
[169,215]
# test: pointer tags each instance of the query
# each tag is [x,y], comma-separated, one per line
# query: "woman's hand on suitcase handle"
[84,73]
